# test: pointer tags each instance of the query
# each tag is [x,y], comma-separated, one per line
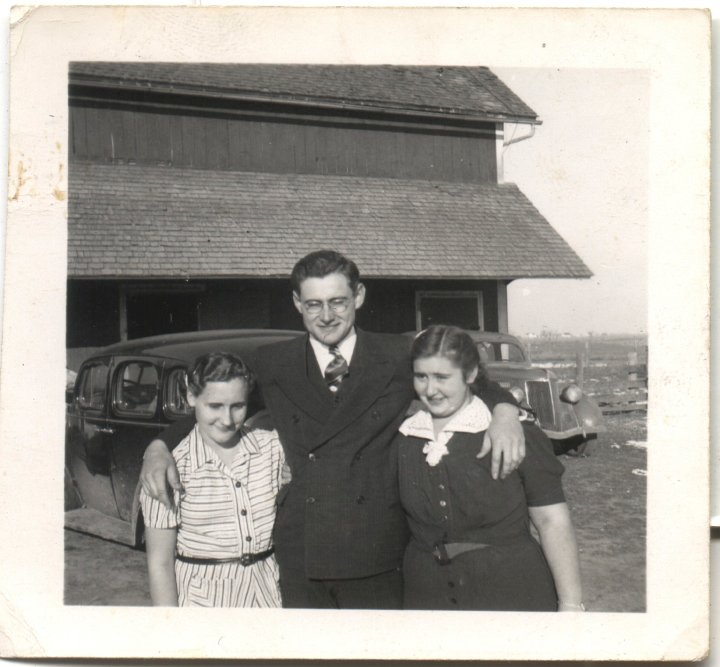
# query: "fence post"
[633,366]
[579,369]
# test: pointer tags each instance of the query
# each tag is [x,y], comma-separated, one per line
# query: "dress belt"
[444,552]
[245,559]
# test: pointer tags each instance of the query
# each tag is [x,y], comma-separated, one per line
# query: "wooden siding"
[93,318]
[222,141]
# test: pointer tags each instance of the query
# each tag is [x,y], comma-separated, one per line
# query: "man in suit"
[337,397]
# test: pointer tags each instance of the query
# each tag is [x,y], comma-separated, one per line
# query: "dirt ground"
[605,491]
[90,580]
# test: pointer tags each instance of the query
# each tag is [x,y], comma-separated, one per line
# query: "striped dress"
[224,513]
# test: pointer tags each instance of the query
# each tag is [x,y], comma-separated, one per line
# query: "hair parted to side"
[322,263]
[218,367]
[452,343]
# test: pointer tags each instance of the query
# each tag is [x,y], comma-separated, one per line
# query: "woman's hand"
[159,474]
[506,438]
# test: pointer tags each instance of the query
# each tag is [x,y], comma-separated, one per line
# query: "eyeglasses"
[339,306]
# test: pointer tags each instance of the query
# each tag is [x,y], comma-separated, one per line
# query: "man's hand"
[506,438]
[159,474]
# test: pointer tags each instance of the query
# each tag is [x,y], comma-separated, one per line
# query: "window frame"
[168,409]
[449,294]
[85,372]
[121,411]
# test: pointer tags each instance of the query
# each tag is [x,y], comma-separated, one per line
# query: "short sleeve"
[541,472]
[281,469]
[156,515]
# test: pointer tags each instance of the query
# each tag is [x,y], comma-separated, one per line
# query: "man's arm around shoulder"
[159,474]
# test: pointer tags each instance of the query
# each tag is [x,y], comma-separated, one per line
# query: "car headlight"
[518,394]
[571,394]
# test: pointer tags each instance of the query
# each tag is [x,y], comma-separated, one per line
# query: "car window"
[136,389]
[93,386]
[511,352]
[490,352]
[176,404]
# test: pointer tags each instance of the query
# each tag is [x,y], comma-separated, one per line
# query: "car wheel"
[577,446]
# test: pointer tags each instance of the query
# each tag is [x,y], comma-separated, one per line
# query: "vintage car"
[122,398]
[127,393]
[568,417]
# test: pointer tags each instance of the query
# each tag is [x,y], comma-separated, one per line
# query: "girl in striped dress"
[214,548]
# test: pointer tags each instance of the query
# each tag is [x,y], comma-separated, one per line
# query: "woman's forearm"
[557,538]
[160,545]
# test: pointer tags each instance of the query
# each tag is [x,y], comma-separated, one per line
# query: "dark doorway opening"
[462,309]
[150,314]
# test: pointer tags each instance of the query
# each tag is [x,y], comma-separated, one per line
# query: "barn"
[194,188]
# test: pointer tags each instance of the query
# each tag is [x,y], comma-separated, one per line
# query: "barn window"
[461,308]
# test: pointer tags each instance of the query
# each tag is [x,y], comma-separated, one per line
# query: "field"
[606,490]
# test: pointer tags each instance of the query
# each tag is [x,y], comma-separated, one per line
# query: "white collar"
[473,418]
[322,351]
[201,453]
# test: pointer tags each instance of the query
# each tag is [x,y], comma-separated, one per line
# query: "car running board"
[92,522]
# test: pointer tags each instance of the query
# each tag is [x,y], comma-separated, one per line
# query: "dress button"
[443,503]
[453,600]
[310,500]
[248,539]
[311,456]
[360,500]
[441,487]
[451,584]
[243,512]
[238,484]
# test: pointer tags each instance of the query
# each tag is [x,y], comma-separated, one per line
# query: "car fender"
[589,415]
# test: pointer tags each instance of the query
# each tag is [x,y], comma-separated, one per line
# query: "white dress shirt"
[322,351]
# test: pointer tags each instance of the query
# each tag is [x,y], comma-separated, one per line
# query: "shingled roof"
[457,91]
[141,221]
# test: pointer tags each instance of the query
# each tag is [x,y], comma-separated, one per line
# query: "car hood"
[516,371]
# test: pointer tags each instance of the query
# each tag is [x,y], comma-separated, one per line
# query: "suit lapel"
[370,372]
[291,375]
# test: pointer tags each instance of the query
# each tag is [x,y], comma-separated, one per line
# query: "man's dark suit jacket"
[340,517]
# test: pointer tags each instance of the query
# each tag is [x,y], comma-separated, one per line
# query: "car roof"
[188,346]
[493,337]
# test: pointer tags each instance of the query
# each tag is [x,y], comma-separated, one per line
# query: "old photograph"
[370,338]
[183,177]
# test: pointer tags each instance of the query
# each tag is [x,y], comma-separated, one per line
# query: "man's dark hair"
[322,263]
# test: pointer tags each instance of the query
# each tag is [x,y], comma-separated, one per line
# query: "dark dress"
[458,501]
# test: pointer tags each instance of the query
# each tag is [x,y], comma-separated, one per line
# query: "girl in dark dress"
[471,545]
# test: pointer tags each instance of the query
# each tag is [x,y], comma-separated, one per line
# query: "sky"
[585,170]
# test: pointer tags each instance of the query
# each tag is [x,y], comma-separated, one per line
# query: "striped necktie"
[336,370]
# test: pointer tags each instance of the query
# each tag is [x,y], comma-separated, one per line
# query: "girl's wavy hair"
[218,367]
[452,343]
